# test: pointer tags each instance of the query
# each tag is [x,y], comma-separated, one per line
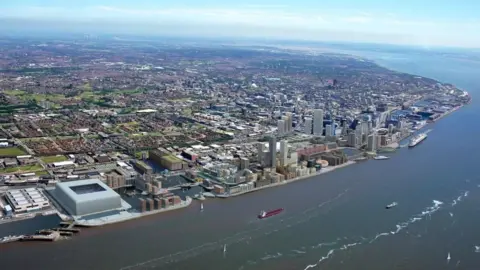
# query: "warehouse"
[86,197]
[26,200]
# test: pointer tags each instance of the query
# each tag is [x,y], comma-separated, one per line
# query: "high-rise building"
[283,153]
[364,126]
[281,127]
[359,136]
[318,122]
[372,143]
[308,125]
[272,151]
[244,163]
[328,131]
[352,140]
[261,153]
[289,122]
[390,128]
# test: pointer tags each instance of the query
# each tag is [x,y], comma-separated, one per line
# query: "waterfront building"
[318,122]
[167,160]
[372,143]
[261,153]
[86,197]
[26,200]
[283,153]
[308,125]
[272,151]
[143,167]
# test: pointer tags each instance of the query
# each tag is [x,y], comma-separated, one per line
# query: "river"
[333,221]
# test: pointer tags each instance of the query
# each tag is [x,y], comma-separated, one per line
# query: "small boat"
[448,257]
[391,205]
[266,214]
[201,207]
[381,157]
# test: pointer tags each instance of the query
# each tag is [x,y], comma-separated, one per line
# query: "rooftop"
[86,190]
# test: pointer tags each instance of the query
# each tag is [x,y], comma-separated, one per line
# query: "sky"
[425,23]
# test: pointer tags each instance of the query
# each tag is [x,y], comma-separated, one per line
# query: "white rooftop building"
[26,200]
[86,197]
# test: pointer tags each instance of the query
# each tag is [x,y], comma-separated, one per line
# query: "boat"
[10,238]
[381,157]
[391,205]
[417,139]
[266,214]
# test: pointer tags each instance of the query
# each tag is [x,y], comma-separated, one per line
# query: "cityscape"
[99,134]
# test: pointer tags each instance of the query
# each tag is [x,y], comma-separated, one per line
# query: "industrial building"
[26,200]
[86,197]
[167,160]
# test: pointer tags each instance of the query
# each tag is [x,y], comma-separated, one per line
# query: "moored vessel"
[417,139]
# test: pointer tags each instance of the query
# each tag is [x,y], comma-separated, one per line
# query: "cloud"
[257,20]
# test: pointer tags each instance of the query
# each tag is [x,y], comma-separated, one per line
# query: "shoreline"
[285,182]
[132,216]
[329,169]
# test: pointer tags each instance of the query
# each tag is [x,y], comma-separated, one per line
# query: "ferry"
[266,214]
[417,139]
[391,205]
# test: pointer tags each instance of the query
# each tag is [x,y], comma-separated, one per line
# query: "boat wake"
[399,227]
[263,229]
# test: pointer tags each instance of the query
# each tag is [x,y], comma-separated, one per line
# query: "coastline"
[285,182]
[329,169]
[129,216]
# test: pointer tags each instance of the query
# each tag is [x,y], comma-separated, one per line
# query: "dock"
[53,236]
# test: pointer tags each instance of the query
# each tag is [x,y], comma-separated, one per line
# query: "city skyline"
[438,23]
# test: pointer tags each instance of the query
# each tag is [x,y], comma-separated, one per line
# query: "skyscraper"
[318,122]
[283,153]
[372,143]
[308,125]
[261,153]
[272,151]
[281,127]
[289,121]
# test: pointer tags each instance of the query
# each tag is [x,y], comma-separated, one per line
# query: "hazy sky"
[415,22]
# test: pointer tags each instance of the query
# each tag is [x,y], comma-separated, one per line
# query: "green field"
[11,151]
[52,159]
[172,158]
[138,155]
[25,96]
[38,173]
[22,169]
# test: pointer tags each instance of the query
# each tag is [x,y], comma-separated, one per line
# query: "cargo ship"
[266,214]
[417,139]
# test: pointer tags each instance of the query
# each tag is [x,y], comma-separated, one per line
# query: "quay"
[325,170]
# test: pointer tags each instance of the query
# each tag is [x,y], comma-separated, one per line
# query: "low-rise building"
[26,200]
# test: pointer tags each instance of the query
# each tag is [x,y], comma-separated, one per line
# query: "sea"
[336,220]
